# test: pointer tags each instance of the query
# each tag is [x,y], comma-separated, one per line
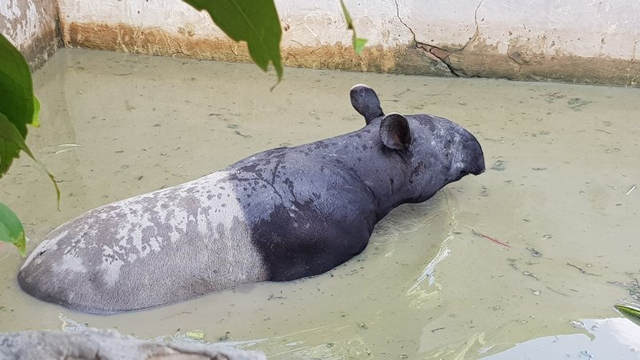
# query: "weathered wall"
[567,40]
[31,25]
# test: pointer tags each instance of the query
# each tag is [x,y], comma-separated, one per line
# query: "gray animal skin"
[279,215]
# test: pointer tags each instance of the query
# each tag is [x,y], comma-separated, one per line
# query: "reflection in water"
[615,338]
[442,254]
[557,190]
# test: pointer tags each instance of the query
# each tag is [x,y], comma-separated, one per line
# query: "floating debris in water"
[70,325]
[498,166]
[630,190]
[273,296]
[582,270]
[584,354]
[551,97]
[490,238]
[633,287]
[534,252]
[241,134]
[576,104]
[577,324]
[530,274]
[226,336]
[195,335]
[65,148]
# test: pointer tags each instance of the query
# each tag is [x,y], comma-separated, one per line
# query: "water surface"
[562,163]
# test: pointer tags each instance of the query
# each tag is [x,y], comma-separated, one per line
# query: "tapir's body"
[279,215]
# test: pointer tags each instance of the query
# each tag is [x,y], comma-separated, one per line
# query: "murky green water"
[559,190]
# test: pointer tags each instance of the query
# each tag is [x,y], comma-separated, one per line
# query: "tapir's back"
[248,223]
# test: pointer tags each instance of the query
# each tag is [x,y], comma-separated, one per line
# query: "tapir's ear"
[366,102]
[395,132]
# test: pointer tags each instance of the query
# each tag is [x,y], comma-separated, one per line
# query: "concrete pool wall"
[570,41]
[32,26]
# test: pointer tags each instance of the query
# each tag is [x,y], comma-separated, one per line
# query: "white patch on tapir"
[47,245]
[202,221]
[176,222]
[153,249]
[111,270]
[71,263]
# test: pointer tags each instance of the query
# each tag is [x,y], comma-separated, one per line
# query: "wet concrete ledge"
[474,59]
[97,344]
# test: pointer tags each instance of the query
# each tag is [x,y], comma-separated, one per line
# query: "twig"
[490,238]
[573,266]
[557,292]
[581,270]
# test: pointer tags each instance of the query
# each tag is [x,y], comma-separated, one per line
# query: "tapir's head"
[433,151]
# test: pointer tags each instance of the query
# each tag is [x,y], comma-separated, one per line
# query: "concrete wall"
[570,40]
[31,25]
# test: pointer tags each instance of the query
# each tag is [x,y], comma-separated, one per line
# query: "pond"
[522,262]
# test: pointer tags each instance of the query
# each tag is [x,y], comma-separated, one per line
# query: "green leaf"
[630,311]
[17,101]
[358,43]
[35,122]
[11,142]
[253,21]
[195,335]
[11,230]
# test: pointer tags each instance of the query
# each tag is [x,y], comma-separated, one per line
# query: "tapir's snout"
[475,155]
[479,167]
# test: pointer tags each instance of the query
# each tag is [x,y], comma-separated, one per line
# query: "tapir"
[279,215]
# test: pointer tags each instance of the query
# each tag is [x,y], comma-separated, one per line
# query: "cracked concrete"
[432,52]
[530,40]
